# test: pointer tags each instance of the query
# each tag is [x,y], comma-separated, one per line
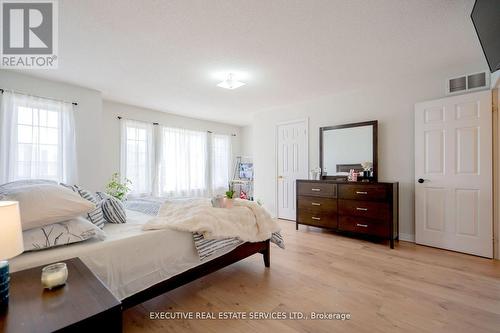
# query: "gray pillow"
[75,230]
[113,209]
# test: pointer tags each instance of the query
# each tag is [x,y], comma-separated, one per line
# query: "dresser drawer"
[369,209]
[363,192]
[320,219]
[317,189]
[363,226]
[317,204]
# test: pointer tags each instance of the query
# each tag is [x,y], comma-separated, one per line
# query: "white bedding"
[247,220]
[130,259]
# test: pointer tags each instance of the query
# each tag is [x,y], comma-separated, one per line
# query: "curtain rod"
[23,93]
[141,121]
[120,117]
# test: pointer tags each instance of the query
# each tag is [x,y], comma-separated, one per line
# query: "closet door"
[453,171]
[292,162]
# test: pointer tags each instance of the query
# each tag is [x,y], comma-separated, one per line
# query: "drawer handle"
[315,204]
[363,209]
[361,192]
[316,218]
[316,189]
[362,225]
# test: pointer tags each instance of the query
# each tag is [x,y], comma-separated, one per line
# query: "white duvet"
[246,220]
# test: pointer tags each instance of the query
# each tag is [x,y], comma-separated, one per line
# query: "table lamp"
[11,244]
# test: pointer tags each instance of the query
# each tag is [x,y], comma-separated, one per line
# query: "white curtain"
[182,168]
[174,162]
[37,139]
[137,155]
[220,162]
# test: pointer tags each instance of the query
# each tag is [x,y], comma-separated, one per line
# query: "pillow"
[95,216]
[81,191]
[113,209]
[63,233]
[149,206]
[7,187]
[44,204]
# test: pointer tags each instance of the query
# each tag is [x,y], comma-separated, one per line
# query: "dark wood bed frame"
[241,252]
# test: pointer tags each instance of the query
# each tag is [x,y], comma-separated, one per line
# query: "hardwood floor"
[408,289]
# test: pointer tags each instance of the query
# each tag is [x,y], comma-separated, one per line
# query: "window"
[221,162]
[38,140]
[137,155]
[38,144]
[183,165]
[174,162]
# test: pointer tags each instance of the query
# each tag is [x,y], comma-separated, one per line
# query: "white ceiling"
[162,54]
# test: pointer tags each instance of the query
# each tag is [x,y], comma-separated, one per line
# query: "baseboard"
[407,237]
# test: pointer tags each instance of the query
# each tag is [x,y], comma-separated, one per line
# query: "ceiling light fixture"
[230,82]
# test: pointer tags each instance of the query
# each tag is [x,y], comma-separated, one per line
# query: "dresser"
[357,208]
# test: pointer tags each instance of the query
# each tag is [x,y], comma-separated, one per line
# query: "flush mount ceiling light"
[230,82]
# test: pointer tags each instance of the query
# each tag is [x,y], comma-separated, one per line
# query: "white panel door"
[453,171]
[293,161]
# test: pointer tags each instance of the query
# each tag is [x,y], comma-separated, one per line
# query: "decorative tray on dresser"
[363,208]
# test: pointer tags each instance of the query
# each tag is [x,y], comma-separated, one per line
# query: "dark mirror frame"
[374,124]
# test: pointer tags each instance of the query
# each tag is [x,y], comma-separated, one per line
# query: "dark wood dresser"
[364,208]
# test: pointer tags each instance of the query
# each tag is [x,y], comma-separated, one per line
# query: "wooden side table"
[83,304]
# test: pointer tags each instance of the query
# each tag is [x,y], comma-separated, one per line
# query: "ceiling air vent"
[476,80]
[466,83]
[458,84]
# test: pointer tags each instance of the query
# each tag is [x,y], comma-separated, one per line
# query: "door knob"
[421,180]
[280,177]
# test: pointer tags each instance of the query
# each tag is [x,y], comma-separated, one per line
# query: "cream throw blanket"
[247,220]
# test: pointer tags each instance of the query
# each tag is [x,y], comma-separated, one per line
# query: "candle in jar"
[54,275]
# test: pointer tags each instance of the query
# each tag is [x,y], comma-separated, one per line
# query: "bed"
[137,265]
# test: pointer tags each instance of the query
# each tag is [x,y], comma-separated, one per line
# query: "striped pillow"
[95,216]
[113,209]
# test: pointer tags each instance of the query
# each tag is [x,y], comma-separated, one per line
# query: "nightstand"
[83,304]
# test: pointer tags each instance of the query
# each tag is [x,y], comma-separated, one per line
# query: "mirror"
[346,147]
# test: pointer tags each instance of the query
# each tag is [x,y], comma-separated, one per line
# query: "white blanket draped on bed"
[246,221]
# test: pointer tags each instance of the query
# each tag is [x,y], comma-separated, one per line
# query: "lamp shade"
[11,236]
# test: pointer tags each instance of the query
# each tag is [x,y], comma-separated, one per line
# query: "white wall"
[111,128]
[392,104]
[247,141]
[87,119]
[495,79]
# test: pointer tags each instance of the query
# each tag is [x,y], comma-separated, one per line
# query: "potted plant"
[228,200]
[117,188]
